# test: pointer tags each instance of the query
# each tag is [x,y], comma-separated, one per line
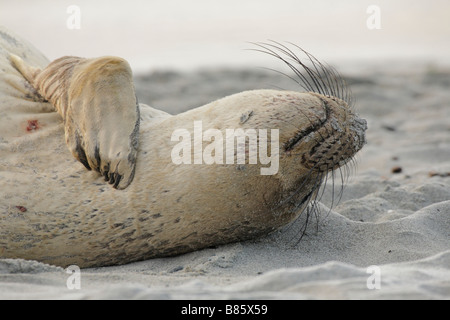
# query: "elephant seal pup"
[53,210]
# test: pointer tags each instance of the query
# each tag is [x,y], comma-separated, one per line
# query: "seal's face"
[318,134]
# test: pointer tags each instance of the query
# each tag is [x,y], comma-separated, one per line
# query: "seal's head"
[320,132]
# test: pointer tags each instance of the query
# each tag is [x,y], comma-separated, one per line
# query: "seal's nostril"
[361,123]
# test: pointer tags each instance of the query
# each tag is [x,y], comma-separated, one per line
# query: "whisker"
[305,83]
[313,76]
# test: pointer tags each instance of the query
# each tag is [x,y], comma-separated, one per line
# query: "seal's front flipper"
[102,119]
[97,102]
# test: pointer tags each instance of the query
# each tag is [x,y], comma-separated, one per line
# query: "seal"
[55,115]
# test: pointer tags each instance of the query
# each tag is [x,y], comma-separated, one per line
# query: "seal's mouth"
[301,135]
[305,134]
[331,139]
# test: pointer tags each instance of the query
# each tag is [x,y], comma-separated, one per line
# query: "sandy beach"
[387,238]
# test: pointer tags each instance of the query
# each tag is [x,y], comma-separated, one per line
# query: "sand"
[387,238]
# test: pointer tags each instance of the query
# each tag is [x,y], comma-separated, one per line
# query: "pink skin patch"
[21,208]
[32,125]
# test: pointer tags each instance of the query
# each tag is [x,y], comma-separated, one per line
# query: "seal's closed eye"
[97,102]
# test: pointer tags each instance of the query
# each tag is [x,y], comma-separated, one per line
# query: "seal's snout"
[337,142]
[334,135]
[359,127]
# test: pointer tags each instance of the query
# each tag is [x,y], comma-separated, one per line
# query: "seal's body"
[55,211]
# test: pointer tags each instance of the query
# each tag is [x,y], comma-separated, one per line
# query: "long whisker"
[315,77]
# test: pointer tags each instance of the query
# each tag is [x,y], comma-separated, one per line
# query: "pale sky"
[190,34]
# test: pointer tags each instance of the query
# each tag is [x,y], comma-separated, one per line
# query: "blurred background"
[186,35]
